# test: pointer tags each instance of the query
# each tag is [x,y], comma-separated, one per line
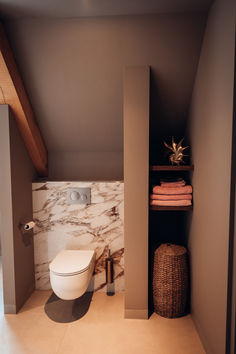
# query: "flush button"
[78,196]
[84,197]
[74,195]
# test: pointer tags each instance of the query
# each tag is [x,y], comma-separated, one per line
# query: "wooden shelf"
[171,168]
[166,208]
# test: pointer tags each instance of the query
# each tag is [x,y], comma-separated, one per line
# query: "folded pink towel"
[171,196]
[176,190]
[171,202]
[173,184]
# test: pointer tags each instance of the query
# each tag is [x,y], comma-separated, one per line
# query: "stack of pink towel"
[175,193]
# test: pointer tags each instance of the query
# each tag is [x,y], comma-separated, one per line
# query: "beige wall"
[86,166]
[72,70]
[6,214]
[211,135]
[16,175]
[136,179]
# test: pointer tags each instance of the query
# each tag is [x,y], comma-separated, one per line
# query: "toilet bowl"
[71,272]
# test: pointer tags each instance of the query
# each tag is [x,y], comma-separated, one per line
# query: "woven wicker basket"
[170,280]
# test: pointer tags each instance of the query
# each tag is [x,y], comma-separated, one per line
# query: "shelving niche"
[167,224]
[170,170]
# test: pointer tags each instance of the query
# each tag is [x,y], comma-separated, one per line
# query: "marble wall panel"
[98,226]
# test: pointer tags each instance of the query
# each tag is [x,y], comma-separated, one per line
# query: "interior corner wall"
[211,119]
[16,174]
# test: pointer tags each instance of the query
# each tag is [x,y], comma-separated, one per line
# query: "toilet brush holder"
[109,275]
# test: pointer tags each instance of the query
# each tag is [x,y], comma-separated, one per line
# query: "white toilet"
[71,272]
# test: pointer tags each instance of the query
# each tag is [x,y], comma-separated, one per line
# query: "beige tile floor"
[102,330]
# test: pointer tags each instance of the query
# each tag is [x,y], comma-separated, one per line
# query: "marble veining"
[98,226]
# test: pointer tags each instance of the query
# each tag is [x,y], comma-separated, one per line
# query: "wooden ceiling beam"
[12,92]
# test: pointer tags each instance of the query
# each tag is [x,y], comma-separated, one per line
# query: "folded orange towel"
[173,184]
[171,202]
[176,190]
[171,196]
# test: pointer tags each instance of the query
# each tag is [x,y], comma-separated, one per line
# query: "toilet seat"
[71,262]
[70,274]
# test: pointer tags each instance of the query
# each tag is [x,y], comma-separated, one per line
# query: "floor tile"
[102,330]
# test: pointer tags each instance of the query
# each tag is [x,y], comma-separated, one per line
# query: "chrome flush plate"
[78,196]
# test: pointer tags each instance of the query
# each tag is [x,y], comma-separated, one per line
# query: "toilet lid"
[69,262]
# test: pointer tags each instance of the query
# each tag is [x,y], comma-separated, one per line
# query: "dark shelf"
[172,168]
[166,208]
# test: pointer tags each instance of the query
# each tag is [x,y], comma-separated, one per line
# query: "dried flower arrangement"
[176,152]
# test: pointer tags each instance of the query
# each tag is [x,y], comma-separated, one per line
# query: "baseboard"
[9,309]
[136,314]
[24,298]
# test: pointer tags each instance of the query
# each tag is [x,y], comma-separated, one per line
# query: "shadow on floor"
[65,311]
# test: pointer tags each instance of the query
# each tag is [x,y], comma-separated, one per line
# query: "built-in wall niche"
[166,120]
[167,224]
[162,172]
[145,229]
[158,153]
[166,227]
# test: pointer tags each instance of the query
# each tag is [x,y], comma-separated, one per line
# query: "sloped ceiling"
[73,69]
[85,8]
[73,72]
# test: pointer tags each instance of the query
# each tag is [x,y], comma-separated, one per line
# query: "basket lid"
[171,250]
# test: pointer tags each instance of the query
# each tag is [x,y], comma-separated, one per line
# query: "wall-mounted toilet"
[71,272]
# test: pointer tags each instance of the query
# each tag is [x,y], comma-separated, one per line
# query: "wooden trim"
[12,92]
